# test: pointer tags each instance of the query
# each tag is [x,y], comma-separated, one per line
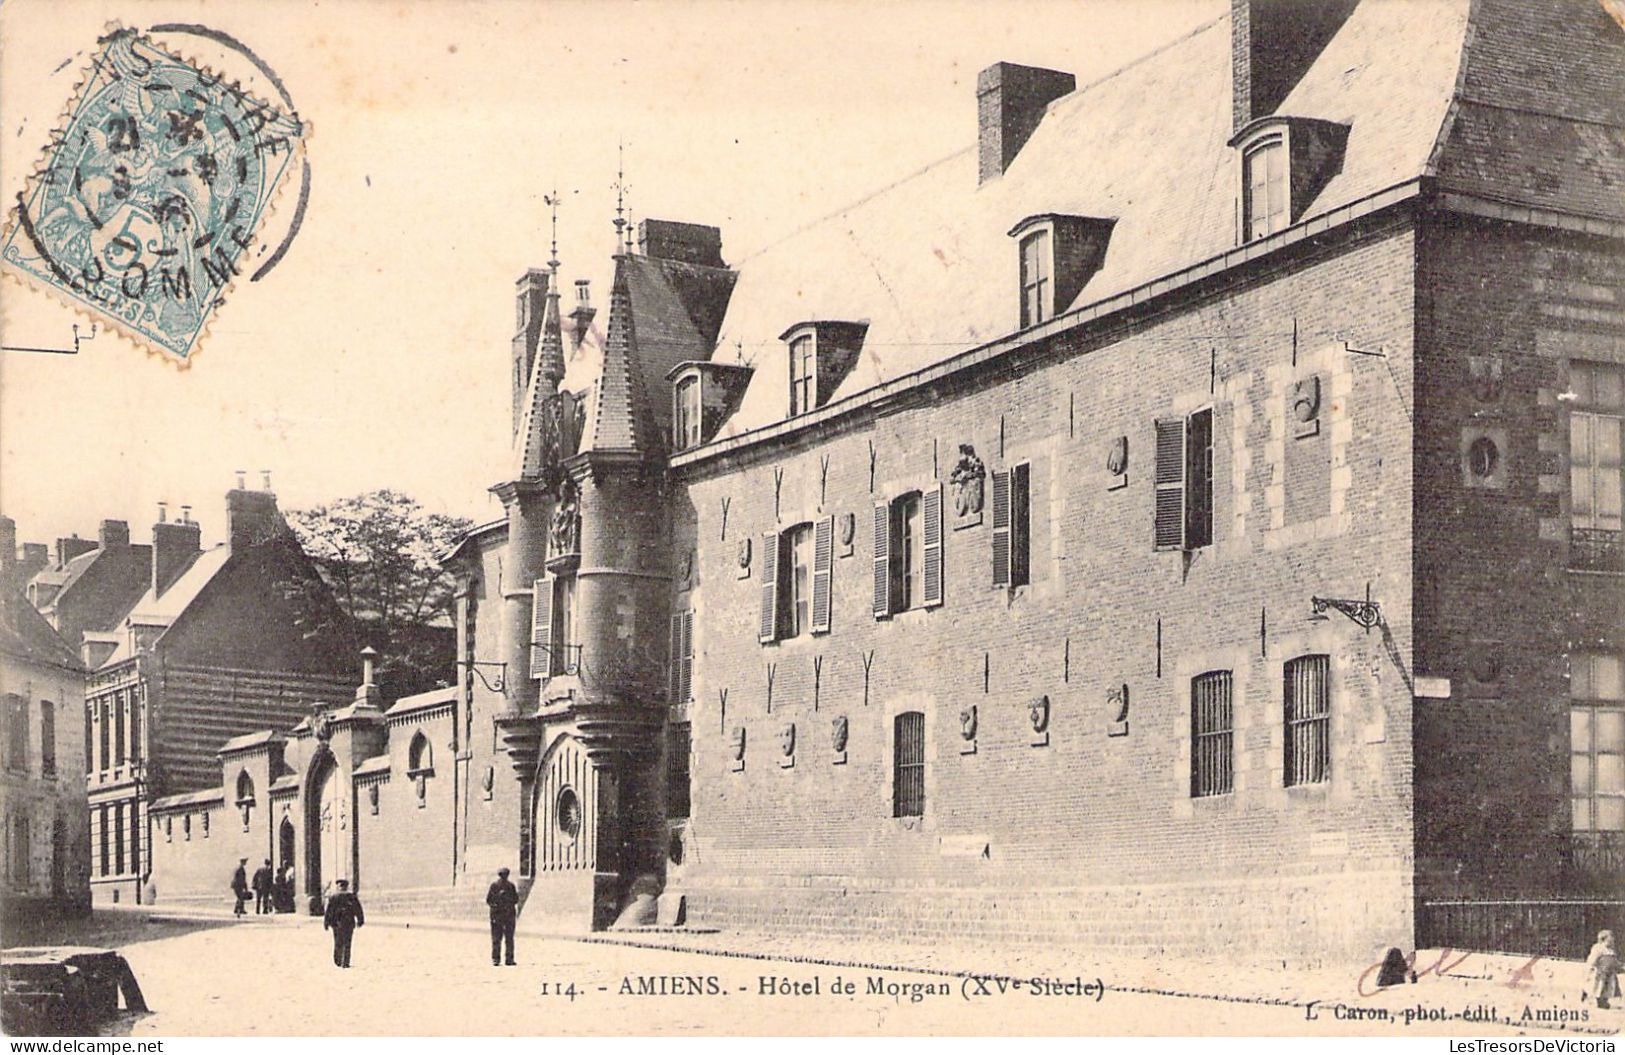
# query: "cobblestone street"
[276,978]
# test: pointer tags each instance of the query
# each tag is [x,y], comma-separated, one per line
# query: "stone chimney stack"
[531,300]
[582,314]
[36,555]
[687,243]
[251,517]
[114,533]
[174,544]
[1272,45]
[74,546]
[8,553]
[1010,101]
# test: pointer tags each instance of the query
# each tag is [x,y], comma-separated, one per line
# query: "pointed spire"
[550,357]
[618,419]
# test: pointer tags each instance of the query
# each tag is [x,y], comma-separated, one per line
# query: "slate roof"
[927,261]
[26,636]
[163,609]
[248,740]
[422,701]
[619,418]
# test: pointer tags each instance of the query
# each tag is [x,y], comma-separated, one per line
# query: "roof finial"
[552,201]
[621,222]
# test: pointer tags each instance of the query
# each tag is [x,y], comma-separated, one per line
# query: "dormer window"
[686,413]
[1285,163]
[821,355]
[1057,256]
[1036,301]
[803,374]
[1267,206]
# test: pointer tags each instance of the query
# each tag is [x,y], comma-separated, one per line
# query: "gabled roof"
[928,261]
[423,701]
[250,740]
[26,636]
[163,609]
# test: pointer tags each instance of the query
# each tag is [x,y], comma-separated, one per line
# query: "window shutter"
[822,572]
[541,629]
[1001,528]
[674,674]
[1020,524]
[931,518]
[1170,484]
[685,686]
[1199,480]
[882,555]
[769,628]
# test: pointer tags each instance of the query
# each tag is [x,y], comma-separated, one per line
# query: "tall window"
[803,375]
[103,838]
[552,648]
[1036,291]
[908,768]
[681,669]
[47,737]
[135,725]
[135,838]
[1597,742]
[21,850]
[1212,734]
[105,720]
[120,705]
[1012,531]
[1267,207]
[677,771]
[118,838]
[907,563]
[1596,479]
[687,418]
[796,572]
[796,587]
[908,552]
[564,622]
[1184,482]
[90,744]
[1306,691]
[16,733]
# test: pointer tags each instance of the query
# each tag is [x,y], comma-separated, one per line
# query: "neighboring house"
[217,645]
[42,810]
[90,588]
[1187,520]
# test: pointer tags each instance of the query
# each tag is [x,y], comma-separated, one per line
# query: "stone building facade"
[1189,520]
[45,870]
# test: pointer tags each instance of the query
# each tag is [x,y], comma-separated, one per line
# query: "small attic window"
[1057,255]
[1266,206]
[1285,163]
[686,413]
[821,354]
[1037,292]
[803,373]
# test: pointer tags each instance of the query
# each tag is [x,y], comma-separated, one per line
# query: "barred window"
[47,738]
[908,771]
[677,771]
[16,733]
[1212,734]
[1597,742]
[1306,690]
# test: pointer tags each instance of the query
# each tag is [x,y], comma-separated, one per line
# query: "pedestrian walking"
[239,886]
[503,901]
[1602,970]
[282,893]
[262,884]
[342,917]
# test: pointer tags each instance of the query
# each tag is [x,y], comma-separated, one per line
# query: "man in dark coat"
[239,885]
[503,901]
[263,883]
[343,916]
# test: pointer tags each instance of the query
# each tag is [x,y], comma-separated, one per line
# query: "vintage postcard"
[1061,517]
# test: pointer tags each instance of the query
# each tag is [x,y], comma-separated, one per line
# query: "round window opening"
[1483,457]
[567,813]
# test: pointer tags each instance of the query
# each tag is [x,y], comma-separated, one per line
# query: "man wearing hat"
[342,917]
[239,885]
[503,901]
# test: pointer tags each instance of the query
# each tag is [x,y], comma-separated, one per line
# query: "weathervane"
[623,234]
[552,201]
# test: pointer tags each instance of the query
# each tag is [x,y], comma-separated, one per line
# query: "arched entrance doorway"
[327,833]
[285,844]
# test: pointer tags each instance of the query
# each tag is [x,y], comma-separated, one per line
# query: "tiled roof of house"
[928,263]
[26,636]
[163,609]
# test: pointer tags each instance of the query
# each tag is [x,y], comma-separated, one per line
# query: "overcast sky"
[375,354]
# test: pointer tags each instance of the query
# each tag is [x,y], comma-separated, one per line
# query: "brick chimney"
[8,553]
[1272,45]
[114,533]
[1010,101]
[251,518]
[74,546]
[36,555]
[688,243]
[174,544]
[582,314]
